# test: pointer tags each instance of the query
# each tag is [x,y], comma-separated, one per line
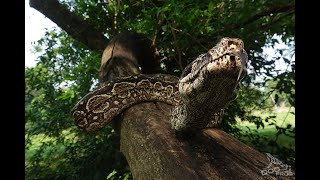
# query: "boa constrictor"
[206,86]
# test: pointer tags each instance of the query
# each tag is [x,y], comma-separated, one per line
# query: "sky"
[37,22]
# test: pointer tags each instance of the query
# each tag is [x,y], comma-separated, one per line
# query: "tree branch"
[76,27]
[272,10]
[153,151]
[181,66]
[266,26]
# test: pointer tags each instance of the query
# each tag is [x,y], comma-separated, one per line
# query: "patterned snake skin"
[206,86]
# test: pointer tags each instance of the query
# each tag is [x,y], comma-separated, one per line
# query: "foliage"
[181,30]
[64,73]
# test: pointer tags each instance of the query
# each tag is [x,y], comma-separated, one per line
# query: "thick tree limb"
[267,12]
[76,27]
[276,19]
[153,151]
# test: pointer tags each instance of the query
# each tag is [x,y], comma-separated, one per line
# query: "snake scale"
[206,86]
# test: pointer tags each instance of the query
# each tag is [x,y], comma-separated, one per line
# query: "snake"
[206,86]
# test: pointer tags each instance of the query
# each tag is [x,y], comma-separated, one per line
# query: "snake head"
[235,47]
[227,59]
[229,56]
[209,84]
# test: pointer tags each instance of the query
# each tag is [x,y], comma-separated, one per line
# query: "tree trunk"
[154,152]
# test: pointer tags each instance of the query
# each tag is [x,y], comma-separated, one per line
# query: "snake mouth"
[231,64]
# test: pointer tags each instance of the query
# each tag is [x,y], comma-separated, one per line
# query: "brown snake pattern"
[206,86]
[99,107]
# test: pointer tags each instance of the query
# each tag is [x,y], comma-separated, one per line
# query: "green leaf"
[111,175]
[210,6]
[125,6]
[164,28]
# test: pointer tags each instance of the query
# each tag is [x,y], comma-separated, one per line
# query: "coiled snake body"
[206,86]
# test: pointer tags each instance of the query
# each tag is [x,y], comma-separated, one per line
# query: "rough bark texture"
[76,27]
[134,54]
[154,152]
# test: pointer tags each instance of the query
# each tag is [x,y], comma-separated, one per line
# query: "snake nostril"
[232,58]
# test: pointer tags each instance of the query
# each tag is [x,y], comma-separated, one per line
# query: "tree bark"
[75,26]
[154,152]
